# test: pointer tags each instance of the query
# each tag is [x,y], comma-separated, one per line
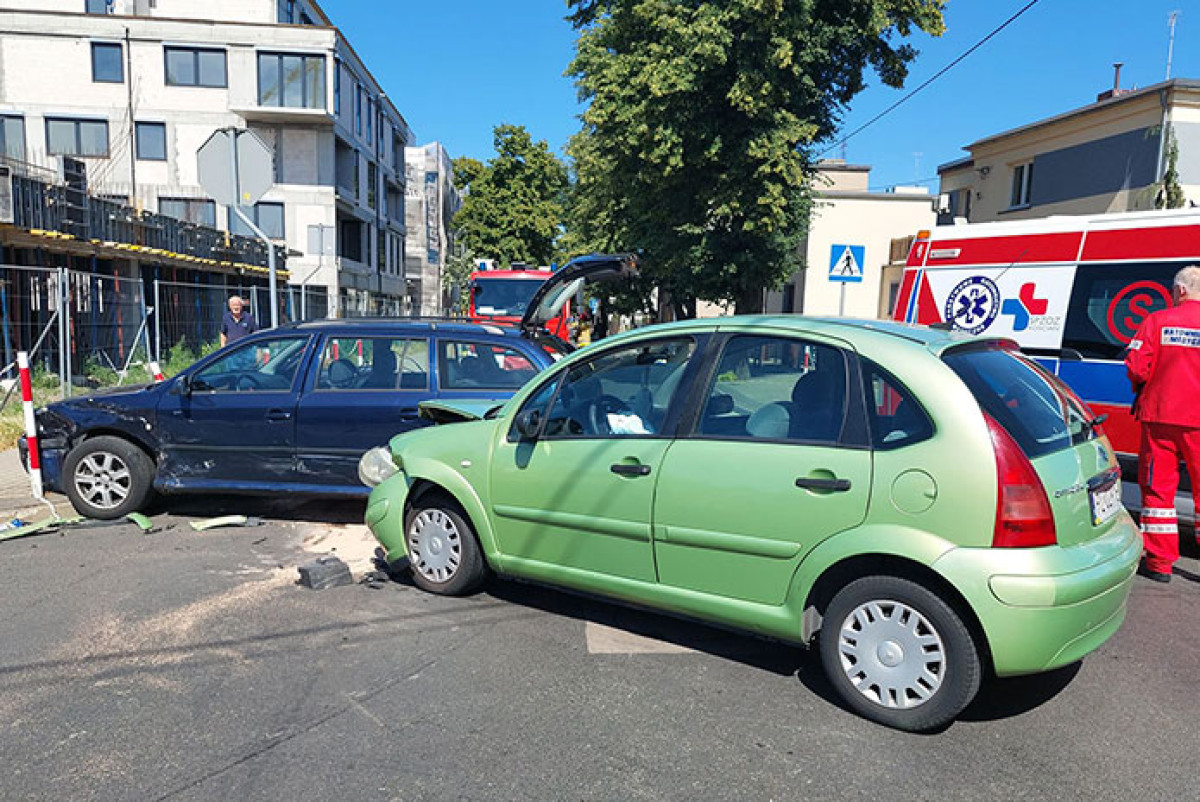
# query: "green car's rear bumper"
[1048,607]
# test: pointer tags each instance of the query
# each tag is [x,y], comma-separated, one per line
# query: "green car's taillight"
[1023,515]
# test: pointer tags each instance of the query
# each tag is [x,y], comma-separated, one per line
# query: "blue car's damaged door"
[230,424]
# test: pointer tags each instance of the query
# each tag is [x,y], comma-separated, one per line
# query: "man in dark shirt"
[236,323]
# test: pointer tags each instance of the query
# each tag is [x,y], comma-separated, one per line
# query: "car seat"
[383,371]
[818,406]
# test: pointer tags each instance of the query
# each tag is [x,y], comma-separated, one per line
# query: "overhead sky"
[457,68]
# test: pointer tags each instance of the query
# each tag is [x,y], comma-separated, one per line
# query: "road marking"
[607,640]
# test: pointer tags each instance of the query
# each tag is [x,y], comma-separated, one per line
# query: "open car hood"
[458,411]
[563,284]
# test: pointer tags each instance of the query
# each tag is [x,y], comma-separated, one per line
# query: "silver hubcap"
[892,654]
[434,545]
[103,480]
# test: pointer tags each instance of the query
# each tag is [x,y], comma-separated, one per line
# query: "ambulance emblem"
[973,304]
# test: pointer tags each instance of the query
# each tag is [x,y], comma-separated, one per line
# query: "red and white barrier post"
[31,440]
[156,371]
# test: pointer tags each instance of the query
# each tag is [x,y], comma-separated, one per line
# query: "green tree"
[701,122]
[1170,195]
[457,276]
[513,209]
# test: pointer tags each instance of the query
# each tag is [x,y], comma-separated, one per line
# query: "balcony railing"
[41,205]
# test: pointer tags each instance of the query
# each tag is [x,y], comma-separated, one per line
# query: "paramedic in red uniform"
[1163,363]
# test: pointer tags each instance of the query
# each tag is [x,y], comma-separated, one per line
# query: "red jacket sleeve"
[1143,351]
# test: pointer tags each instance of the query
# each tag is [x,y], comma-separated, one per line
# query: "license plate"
[1106,503]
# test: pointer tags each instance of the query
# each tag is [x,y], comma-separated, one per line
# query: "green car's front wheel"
[898,654]
[442,548]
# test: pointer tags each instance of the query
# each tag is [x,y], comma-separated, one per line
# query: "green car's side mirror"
[529,424]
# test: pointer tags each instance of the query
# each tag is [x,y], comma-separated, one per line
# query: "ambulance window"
[1109,302]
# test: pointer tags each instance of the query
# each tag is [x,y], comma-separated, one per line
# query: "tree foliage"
[513,208]
[702,115]
[1170,194]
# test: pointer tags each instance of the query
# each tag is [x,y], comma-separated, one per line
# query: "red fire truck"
[503,296]
[1070,290]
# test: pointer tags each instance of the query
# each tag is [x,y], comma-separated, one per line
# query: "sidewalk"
[16,495]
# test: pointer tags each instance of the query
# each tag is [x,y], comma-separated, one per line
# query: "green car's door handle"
[630,470]
[835,485]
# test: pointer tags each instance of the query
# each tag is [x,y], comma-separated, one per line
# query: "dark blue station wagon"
[287,410]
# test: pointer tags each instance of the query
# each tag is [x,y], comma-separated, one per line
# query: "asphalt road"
[184,665]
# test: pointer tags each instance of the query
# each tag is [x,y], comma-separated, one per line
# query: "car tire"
[443,550]
[898,654]
[107,477]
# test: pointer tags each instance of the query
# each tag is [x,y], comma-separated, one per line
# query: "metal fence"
[190,314]
[86,329]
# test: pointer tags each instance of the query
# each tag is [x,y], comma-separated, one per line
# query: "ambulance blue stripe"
[910,314]
[1102,381]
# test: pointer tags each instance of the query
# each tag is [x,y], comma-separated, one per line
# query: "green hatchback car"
[919,505]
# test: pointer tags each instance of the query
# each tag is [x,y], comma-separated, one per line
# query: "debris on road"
[142,522]
[375,579]
[325,572]
[18,528]
[225,520]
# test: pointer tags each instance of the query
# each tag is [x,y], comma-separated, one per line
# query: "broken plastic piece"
[325,572]
[143,523]
[44,525]
[225,520]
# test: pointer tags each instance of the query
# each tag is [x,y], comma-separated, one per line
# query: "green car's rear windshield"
[1033,406]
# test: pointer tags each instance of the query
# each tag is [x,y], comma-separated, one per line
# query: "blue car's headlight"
[376,466]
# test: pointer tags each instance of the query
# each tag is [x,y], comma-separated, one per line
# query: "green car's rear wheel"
[442,548]
[898,654]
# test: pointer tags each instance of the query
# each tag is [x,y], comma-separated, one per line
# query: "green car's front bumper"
[1047,607]
[385,514]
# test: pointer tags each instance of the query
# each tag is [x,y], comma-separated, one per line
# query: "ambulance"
[1071,290]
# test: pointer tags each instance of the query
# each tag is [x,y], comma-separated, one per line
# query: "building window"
[189,66]
[350,240]
[151,141]
[12,137]
[266,215]
[192,210]
[287,11]
[108,66]
[1022,180]
[305,19]
[358,109]
[370,122]
[98,6]
[372,182]
[337,88]
[76,137]
[296,82]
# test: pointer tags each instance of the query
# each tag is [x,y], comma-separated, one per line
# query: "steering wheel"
[600,407]
[248,381]
[342,373]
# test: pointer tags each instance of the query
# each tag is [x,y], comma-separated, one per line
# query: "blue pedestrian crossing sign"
[846,263]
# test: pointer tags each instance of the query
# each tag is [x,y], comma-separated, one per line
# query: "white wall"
[871,222]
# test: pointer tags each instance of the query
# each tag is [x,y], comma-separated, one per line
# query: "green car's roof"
[852,329]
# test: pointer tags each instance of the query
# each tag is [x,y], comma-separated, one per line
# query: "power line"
[935,76]
[894,184]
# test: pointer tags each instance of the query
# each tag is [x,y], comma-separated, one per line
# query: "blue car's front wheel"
[107,477]
[442,548]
